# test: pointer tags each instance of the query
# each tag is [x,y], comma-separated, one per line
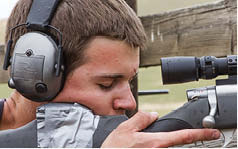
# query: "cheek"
[99,102]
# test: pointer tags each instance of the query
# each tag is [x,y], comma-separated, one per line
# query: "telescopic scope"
[186,69]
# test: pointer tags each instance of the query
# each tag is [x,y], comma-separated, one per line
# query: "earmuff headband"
[41,13]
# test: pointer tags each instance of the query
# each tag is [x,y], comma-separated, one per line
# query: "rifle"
[220,98]
[207,107]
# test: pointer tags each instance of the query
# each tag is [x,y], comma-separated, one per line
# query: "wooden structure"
[209,29]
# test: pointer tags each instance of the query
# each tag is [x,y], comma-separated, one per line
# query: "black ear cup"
[33,70]
[7,56]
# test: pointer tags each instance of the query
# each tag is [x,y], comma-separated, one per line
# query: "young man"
[101,44]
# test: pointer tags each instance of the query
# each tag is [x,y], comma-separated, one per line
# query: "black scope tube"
[186,69]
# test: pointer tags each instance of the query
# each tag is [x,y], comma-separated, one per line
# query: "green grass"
[150,78]
[5,91]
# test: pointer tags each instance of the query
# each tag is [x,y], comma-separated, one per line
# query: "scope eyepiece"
[186,69]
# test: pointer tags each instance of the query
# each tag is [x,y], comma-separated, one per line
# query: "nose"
[124,99]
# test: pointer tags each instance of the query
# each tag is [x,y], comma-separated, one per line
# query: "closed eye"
[105,87]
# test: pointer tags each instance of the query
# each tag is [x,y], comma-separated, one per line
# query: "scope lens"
[179,69]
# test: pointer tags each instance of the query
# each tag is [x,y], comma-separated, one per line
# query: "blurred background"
[148,7]
[149,78]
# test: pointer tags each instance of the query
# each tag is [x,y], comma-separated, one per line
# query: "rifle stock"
[189,116]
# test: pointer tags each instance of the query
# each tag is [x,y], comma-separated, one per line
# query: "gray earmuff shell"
[33,67]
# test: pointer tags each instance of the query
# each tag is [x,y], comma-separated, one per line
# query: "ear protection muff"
[36,65]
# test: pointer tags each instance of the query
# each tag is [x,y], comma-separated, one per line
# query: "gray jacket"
[61,125]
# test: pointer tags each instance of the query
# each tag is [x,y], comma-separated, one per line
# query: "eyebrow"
[114,76]
[110,76]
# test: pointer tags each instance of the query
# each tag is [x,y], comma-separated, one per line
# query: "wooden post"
[134,83]
[3,74]
[209,29]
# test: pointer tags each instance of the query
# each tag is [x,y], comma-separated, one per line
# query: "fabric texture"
[22,137]
[65,125]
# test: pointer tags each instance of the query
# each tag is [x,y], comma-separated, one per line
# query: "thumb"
[140,121]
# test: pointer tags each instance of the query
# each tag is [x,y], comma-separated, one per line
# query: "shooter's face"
[103,82]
